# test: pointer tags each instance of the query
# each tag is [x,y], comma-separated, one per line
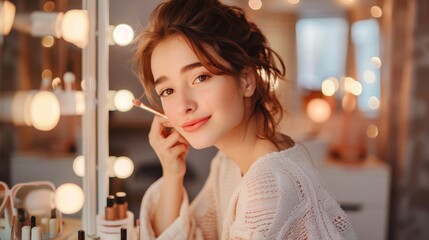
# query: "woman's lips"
[195,124]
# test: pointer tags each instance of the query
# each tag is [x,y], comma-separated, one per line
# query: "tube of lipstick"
[110,211]
[122,205]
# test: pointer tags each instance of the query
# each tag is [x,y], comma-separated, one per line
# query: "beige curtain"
[404,128]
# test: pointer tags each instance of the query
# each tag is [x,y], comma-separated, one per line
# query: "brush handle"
[152,111]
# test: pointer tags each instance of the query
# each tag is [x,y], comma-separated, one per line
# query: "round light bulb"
[318,110]
[69,198]
[376,11]
[39,201]
[123,34]
[44,111]
[20,109]
[123,167]
[123,100]
[75,27]
[79,166]
[110,163]
[255,4]
[328,87]
[376,62]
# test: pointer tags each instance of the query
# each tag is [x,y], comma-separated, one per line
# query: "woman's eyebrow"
[184,69]
[191,66]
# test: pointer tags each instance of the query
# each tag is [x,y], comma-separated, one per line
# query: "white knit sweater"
[280,197]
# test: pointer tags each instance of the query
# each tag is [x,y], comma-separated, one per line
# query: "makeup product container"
[25,201]
[111,230]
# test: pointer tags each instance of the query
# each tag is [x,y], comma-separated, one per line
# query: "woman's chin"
[200,145]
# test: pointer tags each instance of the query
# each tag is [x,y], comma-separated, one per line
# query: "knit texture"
[280,197]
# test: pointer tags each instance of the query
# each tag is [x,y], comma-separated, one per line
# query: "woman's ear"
[248,80]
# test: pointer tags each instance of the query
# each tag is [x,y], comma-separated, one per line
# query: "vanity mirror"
[23,59]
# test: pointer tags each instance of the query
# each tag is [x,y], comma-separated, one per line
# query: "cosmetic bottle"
[121,205]
[123,234]
[110,212]
[25,233]
[81,235]
[44,225]
[20,223]
[53,227]
[32,222]
[36,233]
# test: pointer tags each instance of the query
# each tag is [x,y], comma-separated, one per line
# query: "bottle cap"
[81,235]
[110,201]
[120,197]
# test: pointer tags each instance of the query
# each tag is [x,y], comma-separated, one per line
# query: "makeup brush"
[139,104]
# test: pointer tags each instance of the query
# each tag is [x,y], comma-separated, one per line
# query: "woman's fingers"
[157,131]
[170,146]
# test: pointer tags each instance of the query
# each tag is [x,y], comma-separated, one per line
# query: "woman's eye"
[166,92]
[201,78]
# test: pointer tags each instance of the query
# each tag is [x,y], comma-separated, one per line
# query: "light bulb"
[79,166]
[123,34]
[111,100]
[75,27]
[255,4]
[123,100]
[69,80]
[376,11]
[123,167]
[44,111]
[110,163]
[21,105]
[318,110]
[7,15]
[39,201]
[69,198]
[46,24]
[328,87]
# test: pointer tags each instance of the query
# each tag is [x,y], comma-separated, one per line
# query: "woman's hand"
[170,147]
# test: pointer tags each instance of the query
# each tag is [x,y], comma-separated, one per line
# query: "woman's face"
[206,109]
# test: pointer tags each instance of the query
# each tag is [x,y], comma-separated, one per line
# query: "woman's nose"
[186,103]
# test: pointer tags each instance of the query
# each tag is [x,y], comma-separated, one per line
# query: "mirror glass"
[39,72]
[319,40]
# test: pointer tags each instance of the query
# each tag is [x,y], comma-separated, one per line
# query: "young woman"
[214,73]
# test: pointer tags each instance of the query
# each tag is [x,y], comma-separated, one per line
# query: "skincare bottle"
[110,212]
[25,232]
[20,223]
[121,205]
[36,233]
[53,229]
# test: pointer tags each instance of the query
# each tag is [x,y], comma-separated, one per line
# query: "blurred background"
[356,96]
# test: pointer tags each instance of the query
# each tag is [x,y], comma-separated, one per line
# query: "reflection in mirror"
[34,74]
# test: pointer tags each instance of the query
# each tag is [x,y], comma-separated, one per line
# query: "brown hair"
[209,24]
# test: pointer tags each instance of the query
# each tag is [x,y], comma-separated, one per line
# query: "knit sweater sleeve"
[195,221]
